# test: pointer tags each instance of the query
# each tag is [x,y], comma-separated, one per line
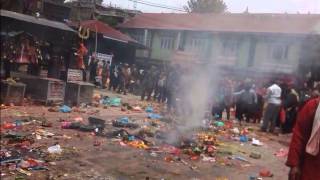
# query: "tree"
[206,6]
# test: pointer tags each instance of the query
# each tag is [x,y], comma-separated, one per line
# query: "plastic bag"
[256,142]
[243,138]
[154,116]
[115,101]
[219,123]
[65,109]
[149,109]
[124,120]
[56,149]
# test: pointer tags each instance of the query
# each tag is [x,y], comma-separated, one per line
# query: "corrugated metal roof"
[245,22]
[106,30]
[34,20]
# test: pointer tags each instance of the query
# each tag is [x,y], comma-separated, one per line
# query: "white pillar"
[145,52]
[145,37]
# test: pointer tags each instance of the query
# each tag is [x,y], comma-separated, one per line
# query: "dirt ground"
[86,156]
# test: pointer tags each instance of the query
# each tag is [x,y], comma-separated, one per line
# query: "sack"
[282,116]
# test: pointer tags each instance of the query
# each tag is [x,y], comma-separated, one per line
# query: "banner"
[56,90]
[104,57]
[74,75]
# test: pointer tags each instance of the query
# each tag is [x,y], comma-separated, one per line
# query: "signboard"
[44,73]
[104,57]
[182,57]
[74,75]
[56,90]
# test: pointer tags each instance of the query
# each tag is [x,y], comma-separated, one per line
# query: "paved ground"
[110,160]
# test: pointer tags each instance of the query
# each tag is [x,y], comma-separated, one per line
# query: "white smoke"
[197,89]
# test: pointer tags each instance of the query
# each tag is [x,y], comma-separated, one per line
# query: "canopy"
[34,20]
[107,31]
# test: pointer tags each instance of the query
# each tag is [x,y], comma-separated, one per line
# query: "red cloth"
[310,165]
[282,115]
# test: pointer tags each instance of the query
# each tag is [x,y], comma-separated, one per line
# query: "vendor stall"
[42,89]
[30,45]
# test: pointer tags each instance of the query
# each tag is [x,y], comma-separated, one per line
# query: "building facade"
[261,42]
[94,9]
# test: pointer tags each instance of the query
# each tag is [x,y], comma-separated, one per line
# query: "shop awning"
[34,20]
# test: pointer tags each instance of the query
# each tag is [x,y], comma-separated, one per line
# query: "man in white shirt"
[273,107]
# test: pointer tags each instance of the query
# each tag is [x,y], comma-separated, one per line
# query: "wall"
[252,50]
[242,43]
[263,60]
[158,52]
[138,35]
[202,51]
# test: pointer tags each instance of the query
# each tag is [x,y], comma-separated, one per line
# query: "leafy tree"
[206,6]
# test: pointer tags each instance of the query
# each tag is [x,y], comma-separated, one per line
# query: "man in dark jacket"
[148,83]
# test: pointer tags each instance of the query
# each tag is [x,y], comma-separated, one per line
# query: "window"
[229,48]
[167,43]
[138,37]
[196,44]
[279,51]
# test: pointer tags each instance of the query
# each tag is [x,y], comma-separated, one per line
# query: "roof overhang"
[115,39]
[34,20]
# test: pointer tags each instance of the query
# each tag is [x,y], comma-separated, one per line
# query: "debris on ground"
[31,145]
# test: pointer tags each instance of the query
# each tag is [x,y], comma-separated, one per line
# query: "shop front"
[37,51]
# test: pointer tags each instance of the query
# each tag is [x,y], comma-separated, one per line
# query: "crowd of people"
[277,101]
[123,78]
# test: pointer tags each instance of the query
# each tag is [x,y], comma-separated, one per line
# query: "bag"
[282,116]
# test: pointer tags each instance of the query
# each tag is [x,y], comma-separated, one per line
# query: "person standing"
[304,156]
[81,53]
[114,77]
[99,74]
[227,96]
[239,86]
[124,79]
[105,73]
[161,87]
[258,107]
[147,84]
[134,78]
[172,82]
[247,98]
[290,105]
[218,104]
[93,69]
[271,113]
